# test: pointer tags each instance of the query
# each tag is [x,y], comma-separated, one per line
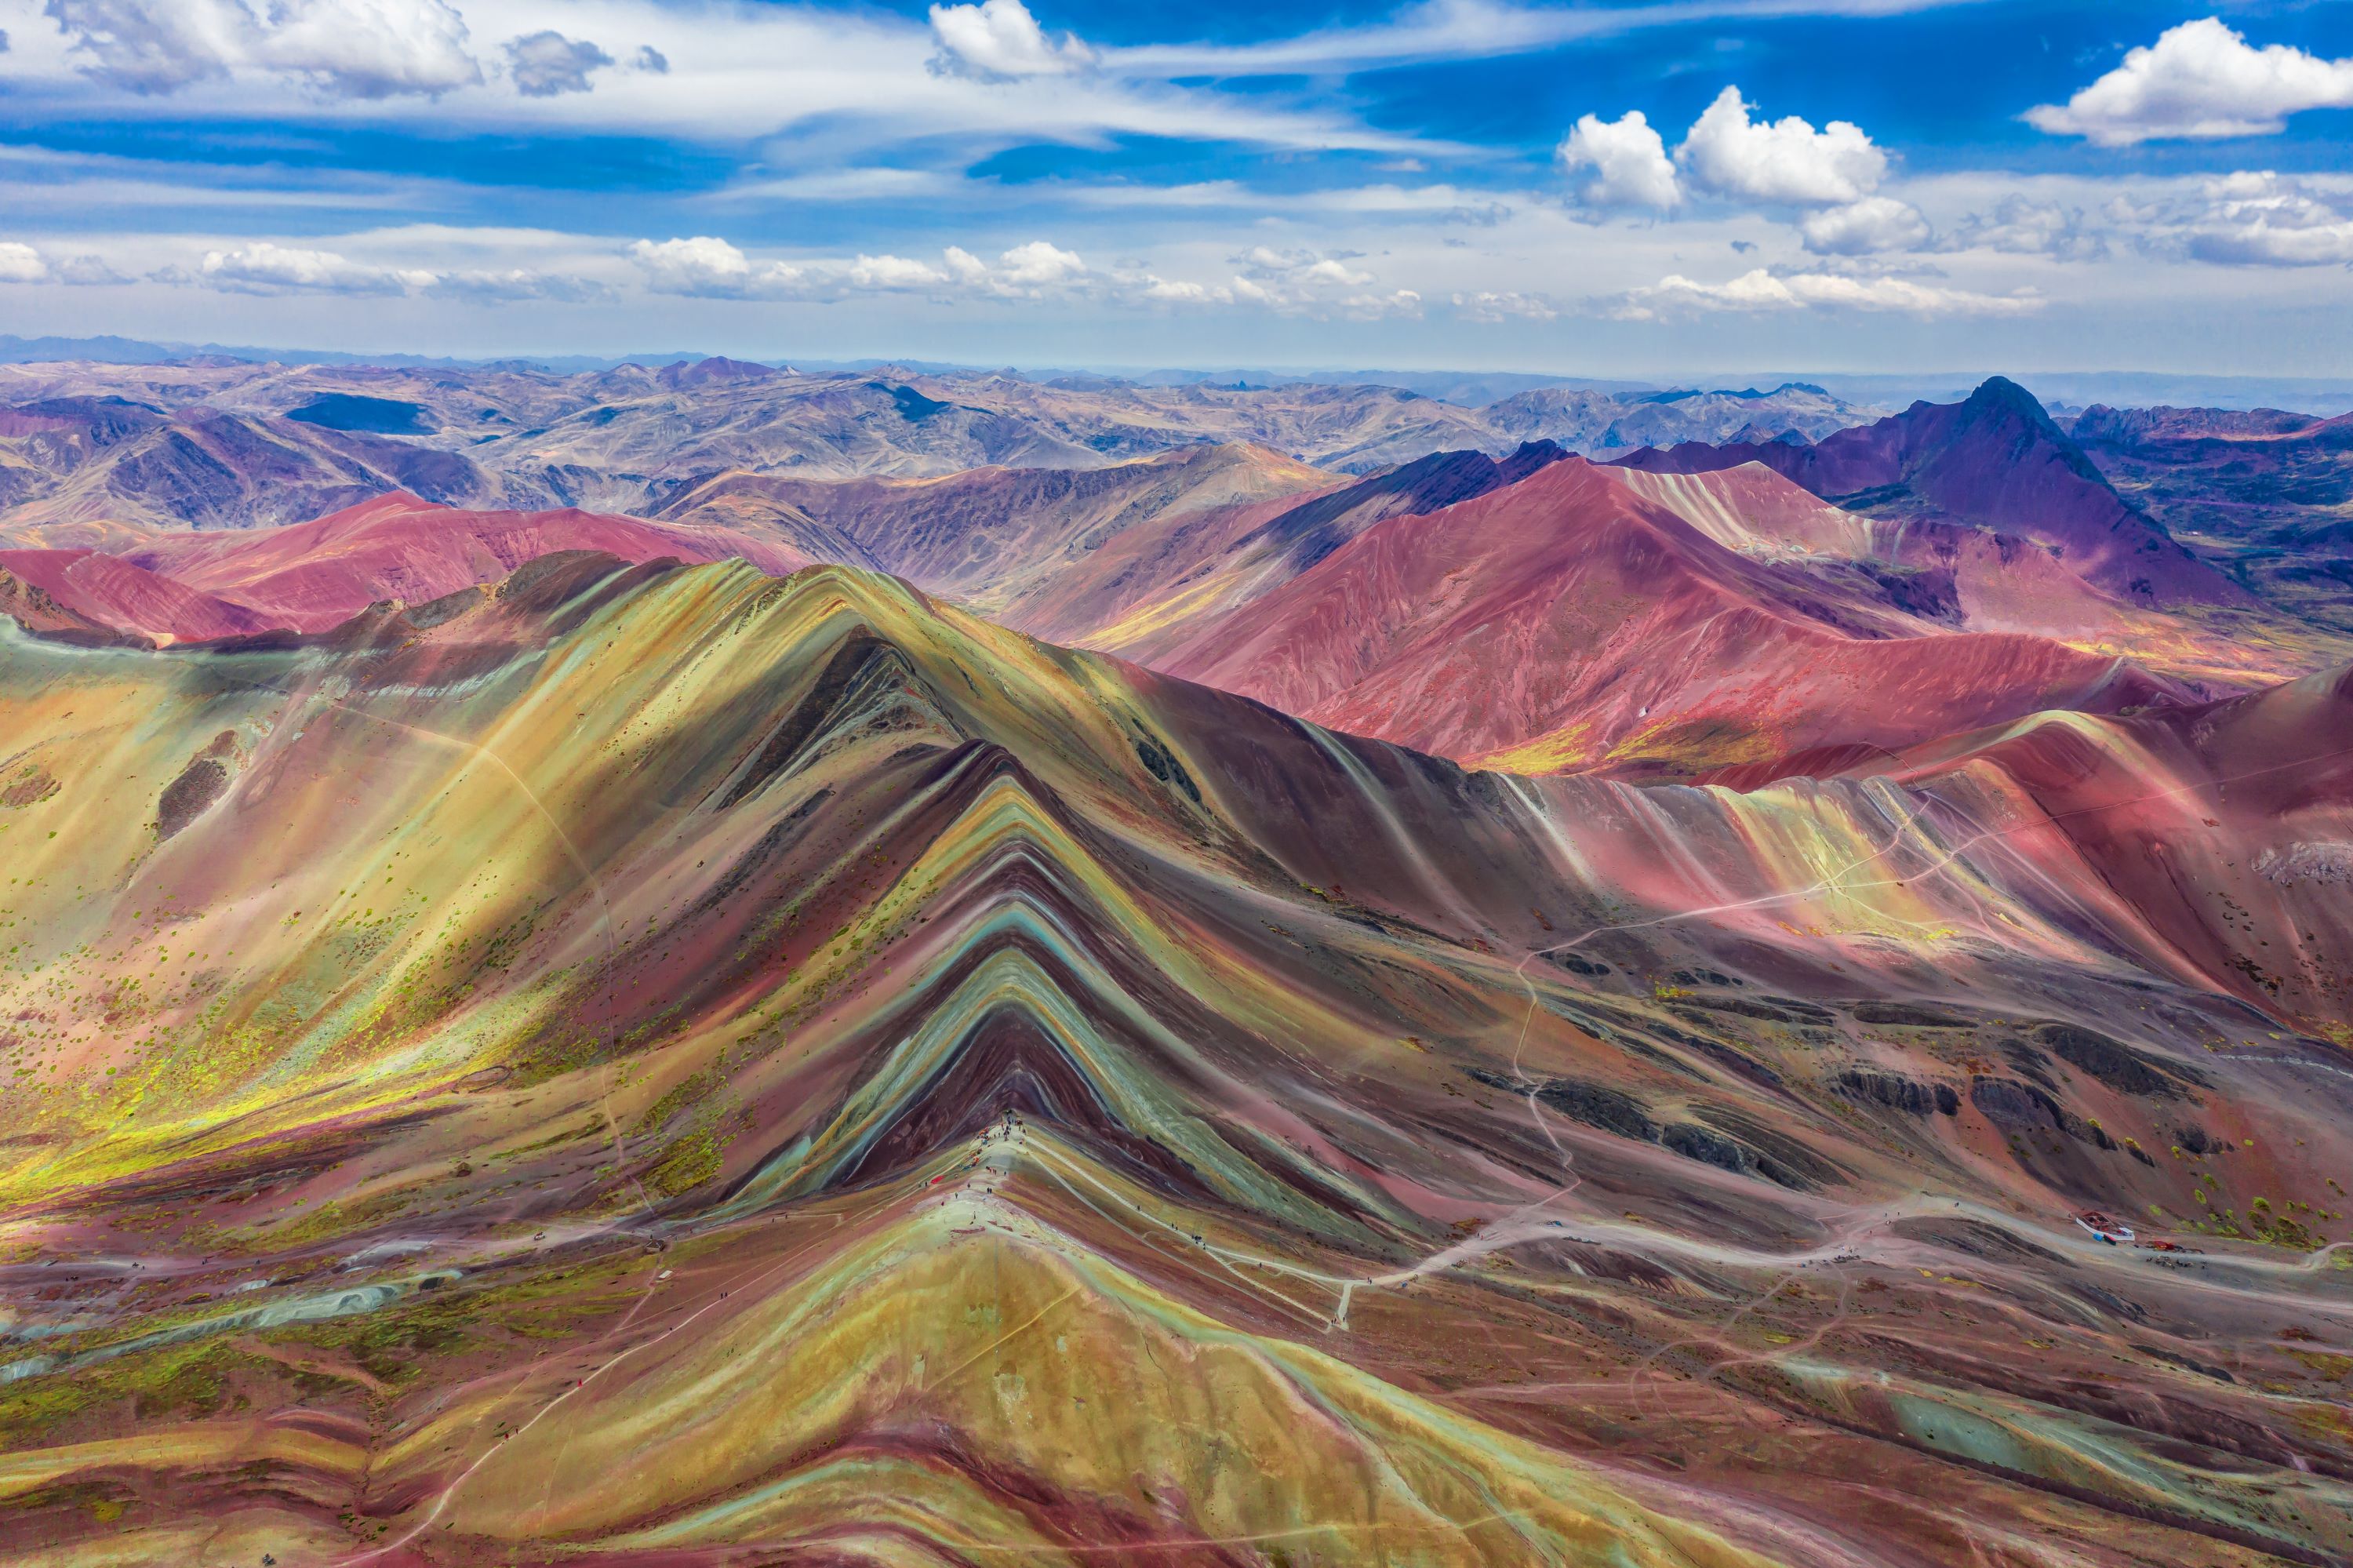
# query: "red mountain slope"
[1568,621]
[120,597]
[316,574]
[2226,829]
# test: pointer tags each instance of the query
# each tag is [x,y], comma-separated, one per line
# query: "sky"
[1614,187]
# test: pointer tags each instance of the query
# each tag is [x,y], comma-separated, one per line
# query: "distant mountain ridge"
[2265,492]
[1740,605]
[1995,460]
[227,444]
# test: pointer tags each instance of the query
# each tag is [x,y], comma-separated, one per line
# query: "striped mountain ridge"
[785,1066]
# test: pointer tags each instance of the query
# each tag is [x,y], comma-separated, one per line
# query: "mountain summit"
[1993,460]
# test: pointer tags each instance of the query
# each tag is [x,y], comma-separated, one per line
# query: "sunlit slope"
[675,1062]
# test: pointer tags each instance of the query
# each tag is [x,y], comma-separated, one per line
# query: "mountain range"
[1668,614]
[1140,999]
[235,445]
[2268,495]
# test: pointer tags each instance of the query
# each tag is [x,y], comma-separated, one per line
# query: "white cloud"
[368,49]
[893,273]
[2252,219]
[2263,243]
[1429,30]
[1182,293]
[1039,265]
[1784,162]
[1030,270]
[727,72]
[1871,226]
[87,270]
[508,285]
[1000,40]
[2199,80]
[350,48]
[707,268]
[1301,283]
[1492,305]
[1628,160]
[1266,264]
[1763,291]
[545,63]
[2019,226]
[264,267]
[713,268]
[22,264]
[154,46]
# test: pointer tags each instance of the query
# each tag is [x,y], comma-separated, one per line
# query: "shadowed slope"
[1994,461]
[1010,541]
[2269,495]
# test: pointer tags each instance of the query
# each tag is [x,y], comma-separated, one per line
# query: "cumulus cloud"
[507,285]
[1029,270]
[546,63]
[1039,265]
[2249,219]
[1871,226]
[1000,40]
[1628,160]
[649,59]
[1289,283]
[1489,305]
[893,273]
[350,48]
[1263,263]
[369,49]
[713,269]
[2020,227]
[707,268]
[2199,80]
[1301,283]
[1781,162]
[154,46]
[22,264]
[267,268]
[87,272]
[1181,292]
[1760,290]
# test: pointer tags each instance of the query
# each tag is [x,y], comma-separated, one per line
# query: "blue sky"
[1645,187]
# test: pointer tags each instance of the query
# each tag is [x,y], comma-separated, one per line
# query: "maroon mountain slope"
[315,574]
[1568,621]
[121,597]
[1091,554]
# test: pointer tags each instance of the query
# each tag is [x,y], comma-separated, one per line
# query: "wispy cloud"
[1473,30]
[727,73]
